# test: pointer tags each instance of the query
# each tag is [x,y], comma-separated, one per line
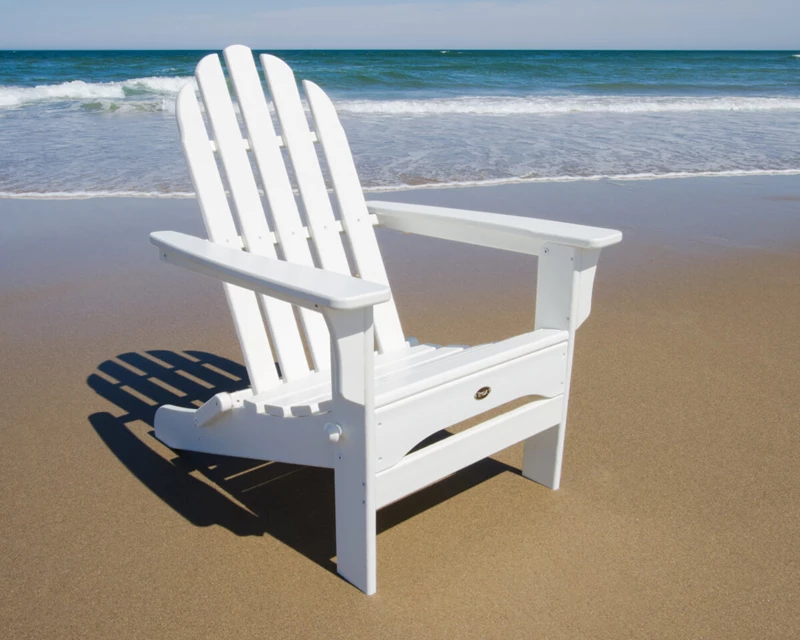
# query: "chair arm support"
[511,233]
[304,286]
[564,286]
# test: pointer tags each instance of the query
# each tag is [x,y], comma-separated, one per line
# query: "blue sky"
[346,24]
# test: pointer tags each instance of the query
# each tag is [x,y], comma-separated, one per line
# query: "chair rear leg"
[542,455]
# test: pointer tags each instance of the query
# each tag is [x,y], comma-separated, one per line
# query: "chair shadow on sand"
[292,503]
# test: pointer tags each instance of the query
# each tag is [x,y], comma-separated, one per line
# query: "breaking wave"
[157,94]
[154,92]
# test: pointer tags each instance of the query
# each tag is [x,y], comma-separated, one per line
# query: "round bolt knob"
[334,431]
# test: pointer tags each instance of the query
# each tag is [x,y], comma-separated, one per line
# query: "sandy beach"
[678,513]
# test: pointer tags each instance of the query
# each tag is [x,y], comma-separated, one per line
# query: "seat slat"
[309,404]
[314,398]
[220,228]
[353,208]
[296,136]
[404,377]
[320,383]
[278,189]
[249,210]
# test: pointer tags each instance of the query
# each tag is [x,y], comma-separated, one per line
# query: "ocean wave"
[555,105]
[157,93]
[87,92]
[78,195]
[163,105]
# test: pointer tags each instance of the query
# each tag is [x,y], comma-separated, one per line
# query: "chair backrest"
[250,153]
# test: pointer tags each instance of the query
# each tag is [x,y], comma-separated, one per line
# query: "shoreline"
[622,178]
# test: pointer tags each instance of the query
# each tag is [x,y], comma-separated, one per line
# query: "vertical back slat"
[297,138]
[275,180]
[353,208]
[221,229]
[249,211]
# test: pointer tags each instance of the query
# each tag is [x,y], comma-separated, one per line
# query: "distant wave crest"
[554,105]
[109,95]
[156,94]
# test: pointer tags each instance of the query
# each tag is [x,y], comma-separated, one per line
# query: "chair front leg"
[353,379]
[563,301]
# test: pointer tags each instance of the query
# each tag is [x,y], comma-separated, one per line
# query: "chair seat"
[401,374]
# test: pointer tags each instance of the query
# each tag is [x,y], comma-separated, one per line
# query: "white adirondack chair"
[356,411]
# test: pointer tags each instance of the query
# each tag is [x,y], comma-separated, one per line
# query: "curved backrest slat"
[221,229]
[297,138]
[277,187]
[249,210]
[354,214]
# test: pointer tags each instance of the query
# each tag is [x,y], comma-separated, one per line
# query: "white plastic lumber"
[213,409]
[353,210]
[294,398]
[297,284]
[221,229]
[317,397]
[436,461]
[558,305]
[218,405]
[406,423]
[417,356]
[352,366]
[265,145]
[586,268]
[245,141]
[512,233]
[377,406]
[273,238]
[405,384]
[295,132]
[244,434]
[249,211]
[406,378]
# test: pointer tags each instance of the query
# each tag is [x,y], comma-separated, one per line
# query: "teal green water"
[102,122]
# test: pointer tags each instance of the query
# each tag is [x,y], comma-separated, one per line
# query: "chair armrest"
[511,233]
[304,286]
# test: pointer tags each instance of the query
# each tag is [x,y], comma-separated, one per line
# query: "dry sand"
[678,514]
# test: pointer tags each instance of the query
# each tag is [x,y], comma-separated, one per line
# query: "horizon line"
[440,49]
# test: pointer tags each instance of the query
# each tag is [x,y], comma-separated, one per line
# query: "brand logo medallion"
[481,393]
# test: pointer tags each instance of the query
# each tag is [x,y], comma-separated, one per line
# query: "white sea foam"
[84,195]
[554,105]
[595,178]
[157,105]
[87,92]
[78,195]
[156,94]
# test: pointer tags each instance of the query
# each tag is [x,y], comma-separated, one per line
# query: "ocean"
[99,123]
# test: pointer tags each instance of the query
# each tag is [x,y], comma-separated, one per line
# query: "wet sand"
[677,515]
